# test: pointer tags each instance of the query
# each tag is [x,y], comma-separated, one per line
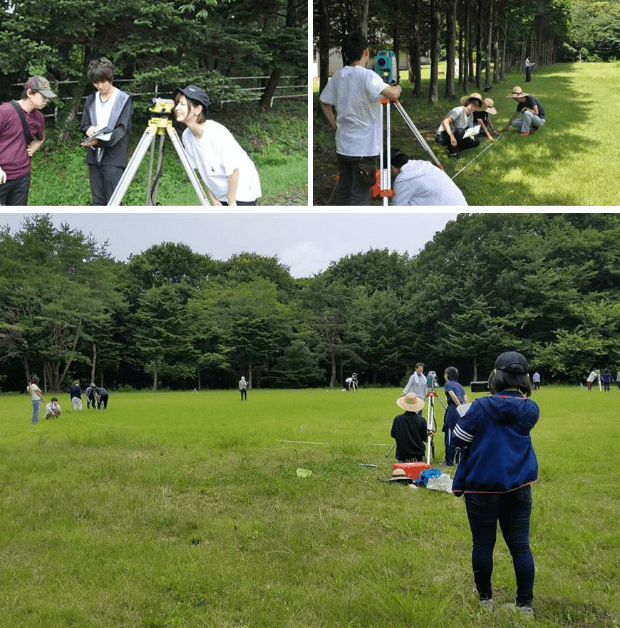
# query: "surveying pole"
[430,423]
[158,125]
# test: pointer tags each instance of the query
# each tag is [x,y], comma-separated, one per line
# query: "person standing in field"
[243,388]
[455,396]
[594,376]
[536,380]
[22,132]
[75,394]
[618,379]
[36,398]
[355,92]
[417,382]
[606,380]
[497,468]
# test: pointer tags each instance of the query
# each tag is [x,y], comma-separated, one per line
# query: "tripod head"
[161,106]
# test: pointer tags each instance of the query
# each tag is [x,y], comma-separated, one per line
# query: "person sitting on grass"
[409,430]
[482,118]
[418,182]
[52,409]
[453,130]
[530,114]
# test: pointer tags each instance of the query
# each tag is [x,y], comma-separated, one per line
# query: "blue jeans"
[36,405]
[513,511]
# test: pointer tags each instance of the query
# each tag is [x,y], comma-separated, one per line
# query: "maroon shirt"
[14,159]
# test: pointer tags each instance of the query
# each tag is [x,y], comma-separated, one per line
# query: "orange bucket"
[413,469]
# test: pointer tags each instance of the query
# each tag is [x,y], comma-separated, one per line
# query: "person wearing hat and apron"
[497,468]
[226,169]
[22,132]
[453,130]
[482,118]
[530,114]
[409,429]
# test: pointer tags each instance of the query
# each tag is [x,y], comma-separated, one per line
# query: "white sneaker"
[487,604]
[526,611]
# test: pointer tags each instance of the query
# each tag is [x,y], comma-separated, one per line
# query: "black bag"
[366,173]
[22,117]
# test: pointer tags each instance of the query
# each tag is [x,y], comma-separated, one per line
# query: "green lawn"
[184,509]
[572,161]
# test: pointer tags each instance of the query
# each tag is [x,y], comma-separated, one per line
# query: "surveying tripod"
[385,175]
[158,125]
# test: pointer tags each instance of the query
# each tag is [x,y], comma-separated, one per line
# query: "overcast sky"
[306,242]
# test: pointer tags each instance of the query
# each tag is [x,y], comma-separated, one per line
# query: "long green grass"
[184,509]
[572,161]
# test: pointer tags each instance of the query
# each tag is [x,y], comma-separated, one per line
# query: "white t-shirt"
[33,392]
[460,120]
[421,183]
[103,111]
[355,92]
[216,155]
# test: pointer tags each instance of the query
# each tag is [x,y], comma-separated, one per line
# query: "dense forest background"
[544,284]
[488,37]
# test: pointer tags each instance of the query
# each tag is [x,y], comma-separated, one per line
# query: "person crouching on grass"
[497,467]
[418,182]
[22,131]
[52,409]
[226,169]
[409,430]
[106,107]
[452,130]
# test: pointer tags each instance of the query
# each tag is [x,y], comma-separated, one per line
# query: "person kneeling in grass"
[52,409]
[226,169]
[418,182]
[455,130]
[529,116]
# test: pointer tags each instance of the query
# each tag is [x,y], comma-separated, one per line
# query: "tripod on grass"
[158,125]
[383,188]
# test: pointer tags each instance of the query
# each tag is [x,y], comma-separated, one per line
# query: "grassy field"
[276,141]
[183,509]
[572,161]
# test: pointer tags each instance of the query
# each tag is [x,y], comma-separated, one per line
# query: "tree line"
[488,37]
[544,284]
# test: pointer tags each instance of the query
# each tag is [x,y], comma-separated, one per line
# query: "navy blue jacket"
[497,453]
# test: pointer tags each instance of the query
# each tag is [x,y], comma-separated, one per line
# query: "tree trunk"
[93,365]
[433,92]
[466,47]
[487,86]
[323,44]
[450,48]
[332,381]
[155,380]
[270,89]
[362,18]
[76,102]
[397,54]
[479,47]
[415,52]
[250,375]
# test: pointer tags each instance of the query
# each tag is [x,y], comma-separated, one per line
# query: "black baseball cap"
[195,93]
[512,362]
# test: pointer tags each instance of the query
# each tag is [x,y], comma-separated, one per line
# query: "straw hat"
[410,402]
[489,103]
[399,475]
[517,92]
[475,95]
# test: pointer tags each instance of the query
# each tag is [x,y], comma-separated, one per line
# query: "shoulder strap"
[22,117]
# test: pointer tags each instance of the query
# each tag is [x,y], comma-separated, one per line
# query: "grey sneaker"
[526,611]
[487,604]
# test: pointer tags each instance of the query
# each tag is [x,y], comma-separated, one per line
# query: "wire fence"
[253,87]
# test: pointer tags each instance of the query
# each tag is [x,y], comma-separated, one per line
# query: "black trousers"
[461,143]
[15,192]
[103,182]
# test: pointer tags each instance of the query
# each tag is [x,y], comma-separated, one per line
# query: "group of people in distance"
[604,378]
[357,93]
[226,169]
[96,396]
[496,468]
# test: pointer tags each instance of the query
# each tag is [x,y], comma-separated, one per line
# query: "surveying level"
[158,124]
[386,66]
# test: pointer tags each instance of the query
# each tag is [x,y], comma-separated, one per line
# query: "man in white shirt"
[417,382]
[356,94]
[418,182]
